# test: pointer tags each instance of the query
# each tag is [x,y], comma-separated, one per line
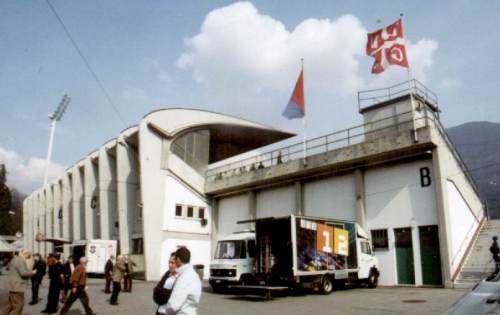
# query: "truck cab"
[368,272]
[234,261]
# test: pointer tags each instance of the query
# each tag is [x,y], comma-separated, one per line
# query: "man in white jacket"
[186,293]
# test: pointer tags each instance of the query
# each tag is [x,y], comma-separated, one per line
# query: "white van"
[234,260]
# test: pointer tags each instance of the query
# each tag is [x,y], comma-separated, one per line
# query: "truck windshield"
[230,250]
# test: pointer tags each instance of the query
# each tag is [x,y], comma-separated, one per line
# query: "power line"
[86,62]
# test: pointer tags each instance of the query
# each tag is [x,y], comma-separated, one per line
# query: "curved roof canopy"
[229,135]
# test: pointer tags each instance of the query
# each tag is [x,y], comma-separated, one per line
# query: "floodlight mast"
[54,118]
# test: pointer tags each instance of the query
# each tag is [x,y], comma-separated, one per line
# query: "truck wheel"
[326,285]
[372,281]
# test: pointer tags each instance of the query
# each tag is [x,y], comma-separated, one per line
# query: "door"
[404,256]
[430,255]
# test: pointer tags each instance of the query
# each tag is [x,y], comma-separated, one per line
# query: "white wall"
[394,199]
[177,193]
[333,197]
[200,253]
[278,201]
[463,224]
[232,209]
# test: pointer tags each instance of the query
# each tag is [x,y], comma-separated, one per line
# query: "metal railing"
[322,144]
[371,97]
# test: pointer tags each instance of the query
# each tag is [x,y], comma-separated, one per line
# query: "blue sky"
[235,58]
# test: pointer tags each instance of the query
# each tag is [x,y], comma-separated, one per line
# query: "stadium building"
[180,177]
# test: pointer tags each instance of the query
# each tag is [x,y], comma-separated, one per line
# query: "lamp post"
[54,118]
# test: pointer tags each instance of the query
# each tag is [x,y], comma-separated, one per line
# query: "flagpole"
[304,123]
[415,135]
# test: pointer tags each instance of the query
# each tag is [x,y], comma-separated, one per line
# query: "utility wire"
[86,62]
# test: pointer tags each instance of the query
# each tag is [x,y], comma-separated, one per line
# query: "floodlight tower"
[54,118]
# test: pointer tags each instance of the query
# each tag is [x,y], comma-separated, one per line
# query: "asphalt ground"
[383,300]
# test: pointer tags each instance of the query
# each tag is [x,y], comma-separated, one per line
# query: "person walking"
[163,289]
[127,277]
[108,273]
[39,268]
[495,251]
[68,268]
[17,281]
[186,292]
[118,273]
[78,289]
[56,276]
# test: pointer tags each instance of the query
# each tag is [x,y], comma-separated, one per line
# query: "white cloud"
[239,47]
[27,173]
[450,83]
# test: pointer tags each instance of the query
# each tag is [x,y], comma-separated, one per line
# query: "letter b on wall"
[425,177]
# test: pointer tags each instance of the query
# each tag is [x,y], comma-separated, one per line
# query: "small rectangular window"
[201,213]
[190,213]
[178,211]
[379,239]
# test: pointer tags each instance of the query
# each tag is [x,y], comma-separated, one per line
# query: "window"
[201,213]
[137,247]
[365,247]
[178,210]
[190,213]
[379,239]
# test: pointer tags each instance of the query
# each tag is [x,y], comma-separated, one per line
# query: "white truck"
[234,261]
[97,252]
[298,251]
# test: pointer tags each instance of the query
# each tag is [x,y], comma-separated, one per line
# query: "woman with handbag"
[163,289]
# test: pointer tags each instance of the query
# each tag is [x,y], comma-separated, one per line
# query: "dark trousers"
[108,285]
[35,285]
[53,298]
[15,304]
[117,287]
[84,299]
[127,283]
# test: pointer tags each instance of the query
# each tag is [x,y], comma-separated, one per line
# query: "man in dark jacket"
[39,268]
[78,289]
[68,268]
[56,281]
[127,277]
[108,273]
[495,251]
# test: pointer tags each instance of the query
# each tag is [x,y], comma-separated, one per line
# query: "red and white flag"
[387,46]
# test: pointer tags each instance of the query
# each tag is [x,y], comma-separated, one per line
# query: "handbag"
[160,294]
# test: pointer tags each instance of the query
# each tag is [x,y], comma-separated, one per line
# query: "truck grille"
[223,272]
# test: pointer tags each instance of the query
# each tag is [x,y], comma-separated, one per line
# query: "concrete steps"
[478,263]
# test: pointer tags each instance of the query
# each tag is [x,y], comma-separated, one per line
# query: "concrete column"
[66,200]
[299,198]
[417,262]
[359,182]
[252,207]
[127,181]
[439,178]
[77,192]
[215,224]
[49,216]
[25,224]
[107,193]
[90,190]
[43,225]
[57,207]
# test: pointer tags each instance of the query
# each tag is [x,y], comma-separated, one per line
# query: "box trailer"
[299,251]
[97,252]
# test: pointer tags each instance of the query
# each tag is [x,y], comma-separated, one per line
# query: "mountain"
[479,145]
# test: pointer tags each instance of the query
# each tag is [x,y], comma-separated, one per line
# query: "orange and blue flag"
[296,106]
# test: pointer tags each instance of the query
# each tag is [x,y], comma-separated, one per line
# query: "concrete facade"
[176,179]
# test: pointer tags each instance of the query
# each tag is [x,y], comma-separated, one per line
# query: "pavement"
[383,300]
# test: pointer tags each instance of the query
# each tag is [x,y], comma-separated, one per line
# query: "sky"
[238,58]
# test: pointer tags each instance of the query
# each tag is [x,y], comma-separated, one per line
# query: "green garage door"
[429,255]
[404,256]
